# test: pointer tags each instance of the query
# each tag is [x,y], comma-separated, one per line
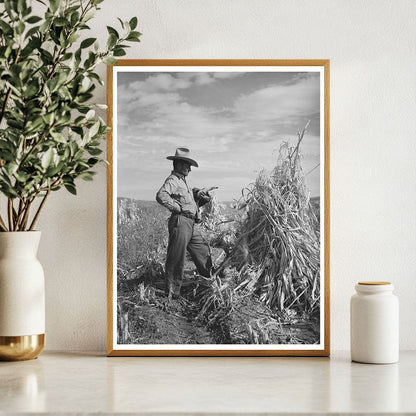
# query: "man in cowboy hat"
[183,203]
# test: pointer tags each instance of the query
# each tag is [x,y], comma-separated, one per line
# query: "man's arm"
[164,198]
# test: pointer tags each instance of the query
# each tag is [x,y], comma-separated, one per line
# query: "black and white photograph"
[218,225]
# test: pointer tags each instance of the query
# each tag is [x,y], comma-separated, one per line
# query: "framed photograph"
[218,208]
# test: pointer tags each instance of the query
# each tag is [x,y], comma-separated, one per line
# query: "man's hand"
[201,196]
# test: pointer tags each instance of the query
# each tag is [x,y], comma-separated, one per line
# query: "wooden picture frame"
[230,113]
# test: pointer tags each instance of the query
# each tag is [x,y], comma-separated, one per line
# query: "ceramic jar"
[374,323]
[22,296]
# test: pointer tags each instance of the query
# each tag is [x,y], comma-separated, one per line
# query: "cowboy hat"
[182,153]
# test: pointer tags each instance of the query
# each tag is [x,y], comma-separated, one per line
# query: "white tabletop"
[85,383]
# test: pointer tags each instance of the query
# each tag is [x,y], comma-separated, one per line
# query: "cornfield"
[266,252]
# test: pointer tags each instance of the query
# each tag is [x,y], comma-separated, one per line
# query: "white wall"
[371,45]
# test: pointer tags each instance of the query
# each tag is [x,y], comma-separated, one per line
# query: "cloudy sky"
[233,122]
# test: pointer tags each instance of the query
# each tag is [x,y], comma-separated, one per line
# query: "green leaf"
[10,8]
[90,114]
[85,85]
[135,35]
[112,31]
[67,153]
[5,28]
[4,145]
[96,77]
[32,45]
[92,161]
[80,120]
[77,130]
[54,4]
[64,93]
[110,60]
[16,124]
[47,158]
[11,168]
[78,154]
[119,52]
[61,21]
[35,125]
[46,57]
[74,18]
[82,166]
[94,129]
[87,42]
[71,188]
[8,191]
[27,12]
[58,137]
[82,98]
[21,177]
[89,15]
[121,22]
[48,118]
[33,19]
[86,176]
[52,171]
[112,41]
[73,38]
[31,90]
[53,83]
[31,32]
[67,56]
[94,151]
[133,23]
[20,28]
[63,41]
[21,6]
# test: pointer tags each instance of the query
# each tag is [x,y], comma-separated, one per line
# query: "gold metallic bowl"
[20,348]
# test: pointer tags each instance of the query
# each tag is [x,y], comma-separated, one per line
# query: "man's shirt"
[176,195]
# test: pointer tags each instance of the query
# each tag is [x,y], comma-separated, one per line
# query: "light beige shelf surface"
[84,383]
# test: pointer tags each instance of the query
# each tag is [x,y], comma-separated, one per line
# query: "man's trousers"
[184,236]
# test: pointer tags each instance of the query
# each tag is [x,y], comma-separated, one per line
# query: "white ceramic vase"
[22,296]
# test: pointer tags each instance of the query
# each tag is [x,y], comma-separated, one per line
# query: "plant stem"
[32,149]
[10,213]
[300,137]
[20,213]
[26,216]
[3,108]
[17,217]
[39,209]
[2,225]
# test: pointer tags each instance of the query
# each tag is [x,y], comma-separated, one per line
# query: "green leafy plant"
[50,134]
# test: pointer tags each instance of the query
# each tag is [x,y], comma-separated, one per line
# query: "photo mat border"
[221,350]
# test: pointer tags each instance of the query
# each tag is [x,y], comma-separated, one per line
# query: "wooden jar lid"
[374,283]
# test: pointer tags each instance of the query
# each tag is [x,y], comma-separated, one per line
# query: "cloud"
[159,100]
[227,75]
[234,140]
[160,82]
[258,115]
[204,78]
[280,102]
[153,85]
